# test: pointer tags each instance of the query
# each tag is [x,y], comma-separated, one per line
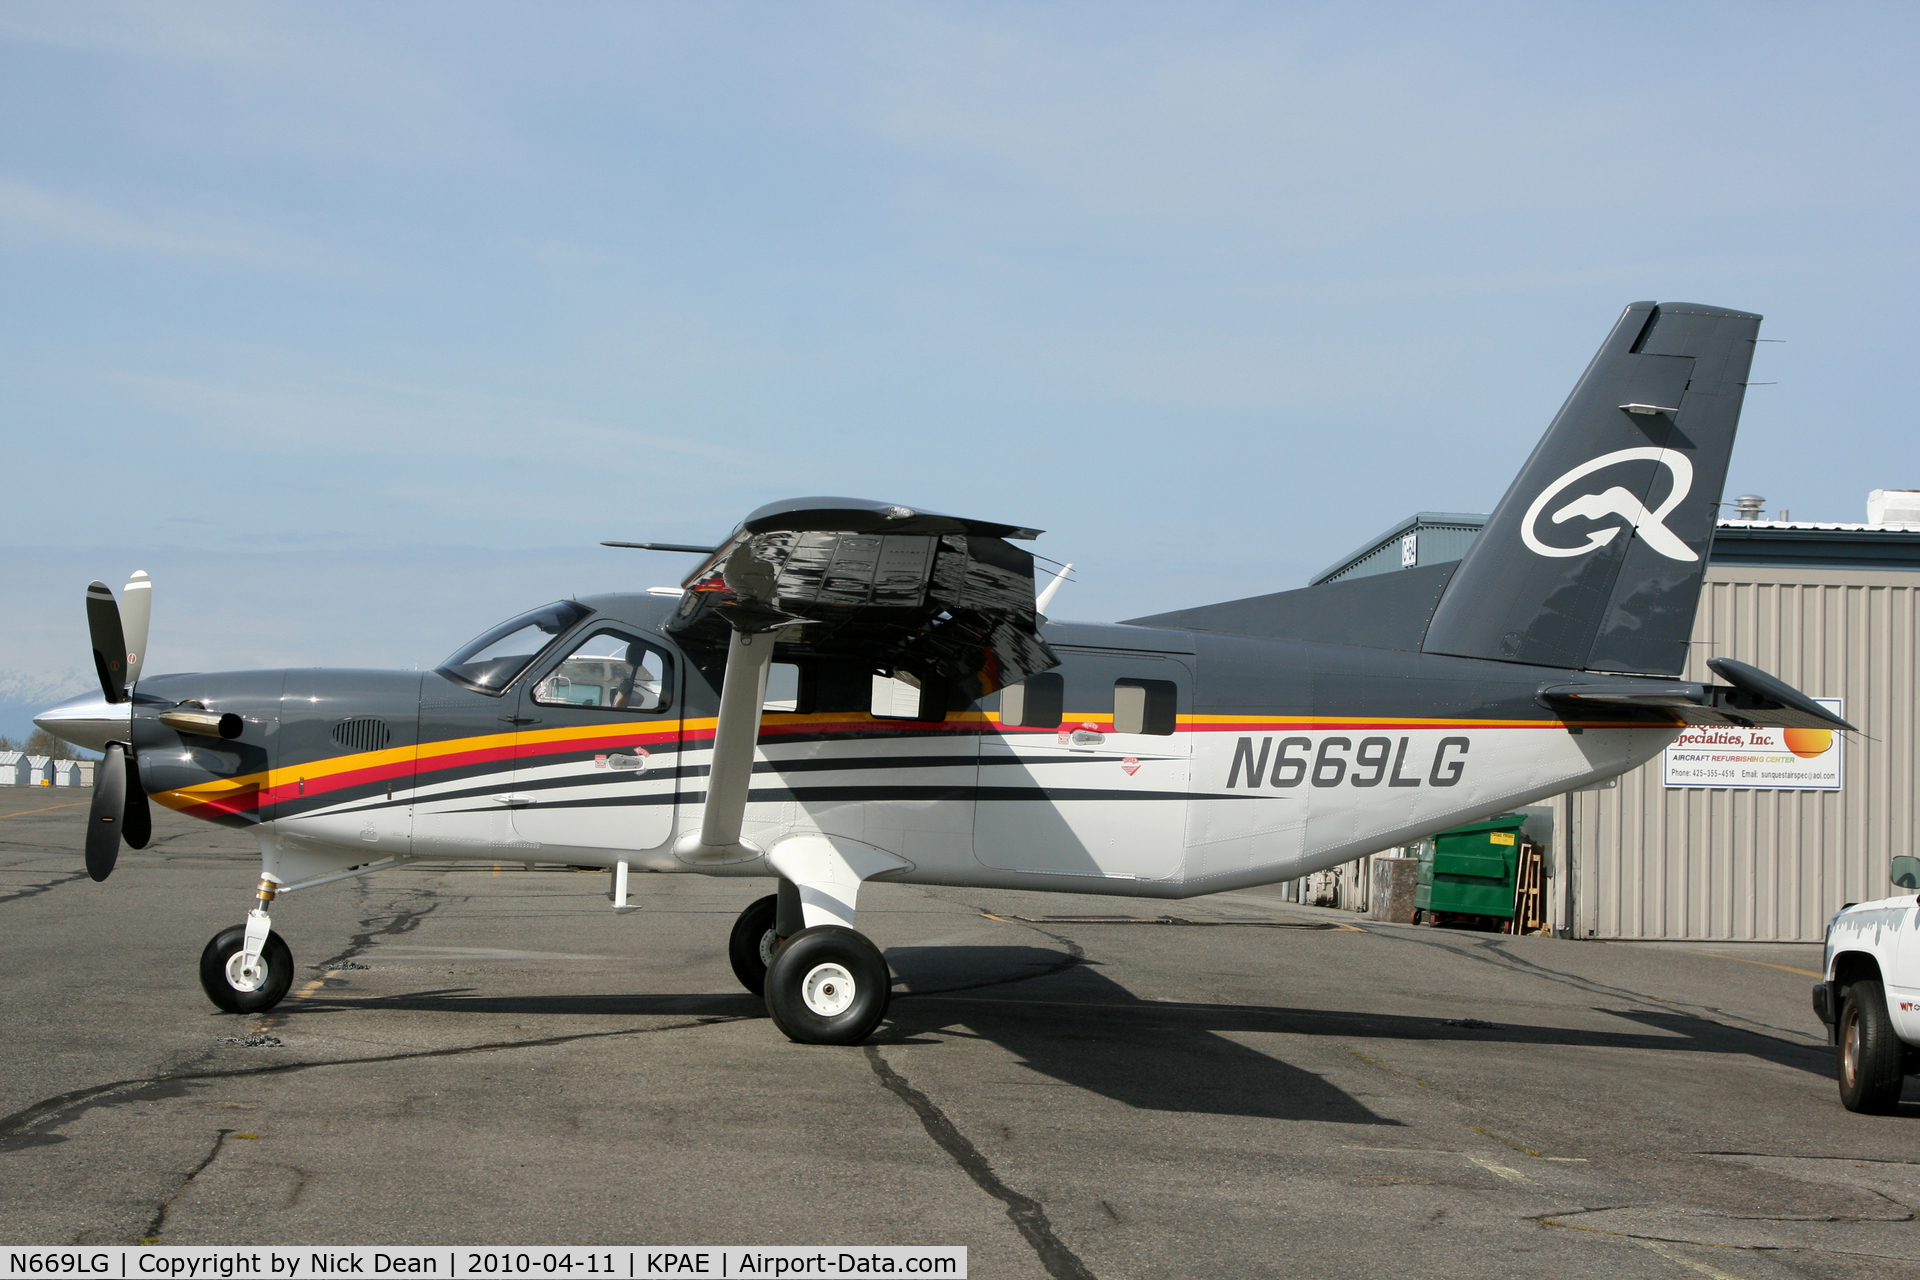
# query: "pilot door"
[597,746]
[1088,772]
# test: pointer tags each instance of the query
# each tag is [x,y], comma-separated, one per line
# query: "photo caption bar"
[467,1262]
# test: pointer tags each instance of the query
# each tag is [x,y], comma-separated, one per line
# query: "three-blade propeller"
[119,638]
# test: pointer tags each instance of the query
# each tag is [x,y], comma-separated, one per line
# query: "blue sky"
[358,325]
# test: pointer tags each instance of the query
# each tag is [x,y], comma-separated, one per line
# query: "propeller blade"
[109,642]
[109,805]
[136,606]
[136,825]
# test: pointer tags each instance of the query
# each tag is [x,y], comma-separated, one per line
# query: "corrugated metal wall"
[1767,865]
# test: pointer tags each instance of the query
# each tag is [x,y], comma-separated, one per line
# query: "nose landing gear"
[247,968]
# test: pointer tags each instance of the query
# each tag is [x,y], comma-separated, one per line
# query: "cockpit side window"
[610,671]
[495,660]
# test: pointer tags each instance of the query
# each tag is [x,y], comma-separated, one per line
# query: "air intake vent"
[362,734]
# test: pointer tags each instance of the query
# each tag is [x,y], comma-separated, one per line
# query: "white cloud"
[341,81]
[31,210]
[304,412]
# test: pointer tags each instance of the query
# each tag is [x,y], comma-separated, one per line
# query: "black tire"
[807,993]
[752,944]
[214,971]
[1871,1056]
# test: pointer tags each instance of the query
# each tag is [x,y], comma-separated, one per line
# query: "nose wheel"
[828,985]
[237,986]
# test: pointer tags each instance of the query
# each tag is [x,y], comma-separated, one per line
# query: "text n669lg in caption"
[453,1262]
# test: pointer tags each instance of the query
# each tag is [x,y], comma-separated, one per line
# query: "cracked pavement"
[482,1056]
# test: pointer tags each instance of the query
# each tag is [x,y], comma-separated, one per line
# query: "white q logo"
[1616,502]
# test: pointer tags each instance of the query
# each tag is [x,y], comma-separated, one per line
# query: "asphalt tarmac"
[481,1055]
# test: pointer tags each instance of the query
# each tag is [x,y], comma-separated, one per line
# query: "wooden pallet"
[1529,891]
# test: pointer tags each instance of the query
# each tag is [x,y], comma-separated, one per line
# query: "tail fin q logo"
[1650,525]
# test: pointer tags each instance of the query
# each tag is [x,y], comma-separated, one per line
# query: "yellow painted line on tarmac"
[314,986]
[49,809]
[1805,973]
[1528,1151]
[1674,1255]
[1505,1171]
[1664,1250]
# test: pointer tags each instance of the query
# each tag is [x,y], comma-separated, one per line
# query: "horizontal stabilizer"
[1751,698]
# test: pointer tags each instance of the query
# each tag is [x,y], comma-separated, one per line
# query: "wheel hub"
[828,990]
[241,978]
[769,943]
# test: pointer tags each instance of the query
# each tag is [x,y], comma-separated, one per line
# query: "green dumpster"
[1470,870]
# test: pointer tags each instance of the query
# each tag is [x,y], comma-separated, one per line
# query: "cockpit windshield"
[491,662]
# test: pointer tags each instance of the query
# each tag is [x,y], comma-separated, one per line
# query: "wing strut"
[943,599]
[743,692]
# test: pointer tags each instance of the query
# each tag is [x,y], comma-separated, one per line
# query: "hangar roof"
[1439,536]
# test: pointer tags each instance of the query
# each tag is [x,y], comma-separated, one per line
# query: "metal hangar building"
[1832,609]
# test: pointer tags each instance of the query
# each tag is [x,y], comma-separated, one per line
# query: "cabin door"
[597,748]
[1086,770]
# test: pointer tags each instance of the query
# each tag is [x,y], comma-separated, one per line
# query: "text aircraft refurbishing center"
[1706,841]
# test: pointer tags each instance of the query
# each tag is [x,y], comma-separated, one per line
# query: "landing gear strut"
[247,968]
[758,933]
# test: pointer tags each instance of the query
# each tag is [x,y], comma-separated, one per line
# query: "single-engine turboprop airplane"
[845,691]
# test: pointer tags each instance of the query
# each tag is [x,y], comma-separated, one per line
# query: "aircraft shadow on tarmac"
[1065,1020]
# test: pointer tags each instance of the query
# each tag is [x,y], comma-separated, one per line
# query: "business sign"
[1726,755]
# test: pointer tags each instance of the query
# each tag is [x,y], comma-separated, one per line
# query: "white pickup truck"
[1870,999]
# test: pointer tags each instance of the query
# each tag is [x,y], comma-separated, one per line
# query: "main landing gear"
[753,943]
[247,968]
[823,985]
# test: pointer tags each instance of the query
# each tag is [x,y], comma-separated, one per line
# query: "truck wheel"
[1871,1056]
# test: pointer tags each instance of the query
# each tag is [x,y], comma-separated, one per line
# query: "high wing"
[941,598]
[942,601]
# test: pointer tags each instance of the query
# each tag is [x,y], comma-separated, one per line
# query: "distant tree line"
[42,743]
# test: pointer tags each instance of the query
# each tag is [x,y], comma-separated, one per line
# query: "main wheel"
[828,985]
[752,945]
[227,987]
[1871,1056]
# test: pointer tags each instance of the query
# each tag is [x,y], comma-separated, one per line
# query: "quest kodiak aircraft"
[846,691]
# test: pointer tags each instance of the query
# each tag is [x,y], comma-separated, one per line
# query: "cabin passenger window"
[1144,706]
[1034,703]
[904,696]
[786,689]
[608,671]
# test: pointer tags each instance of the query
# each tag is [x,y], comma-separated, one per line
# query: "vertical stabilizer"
[1594,558]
